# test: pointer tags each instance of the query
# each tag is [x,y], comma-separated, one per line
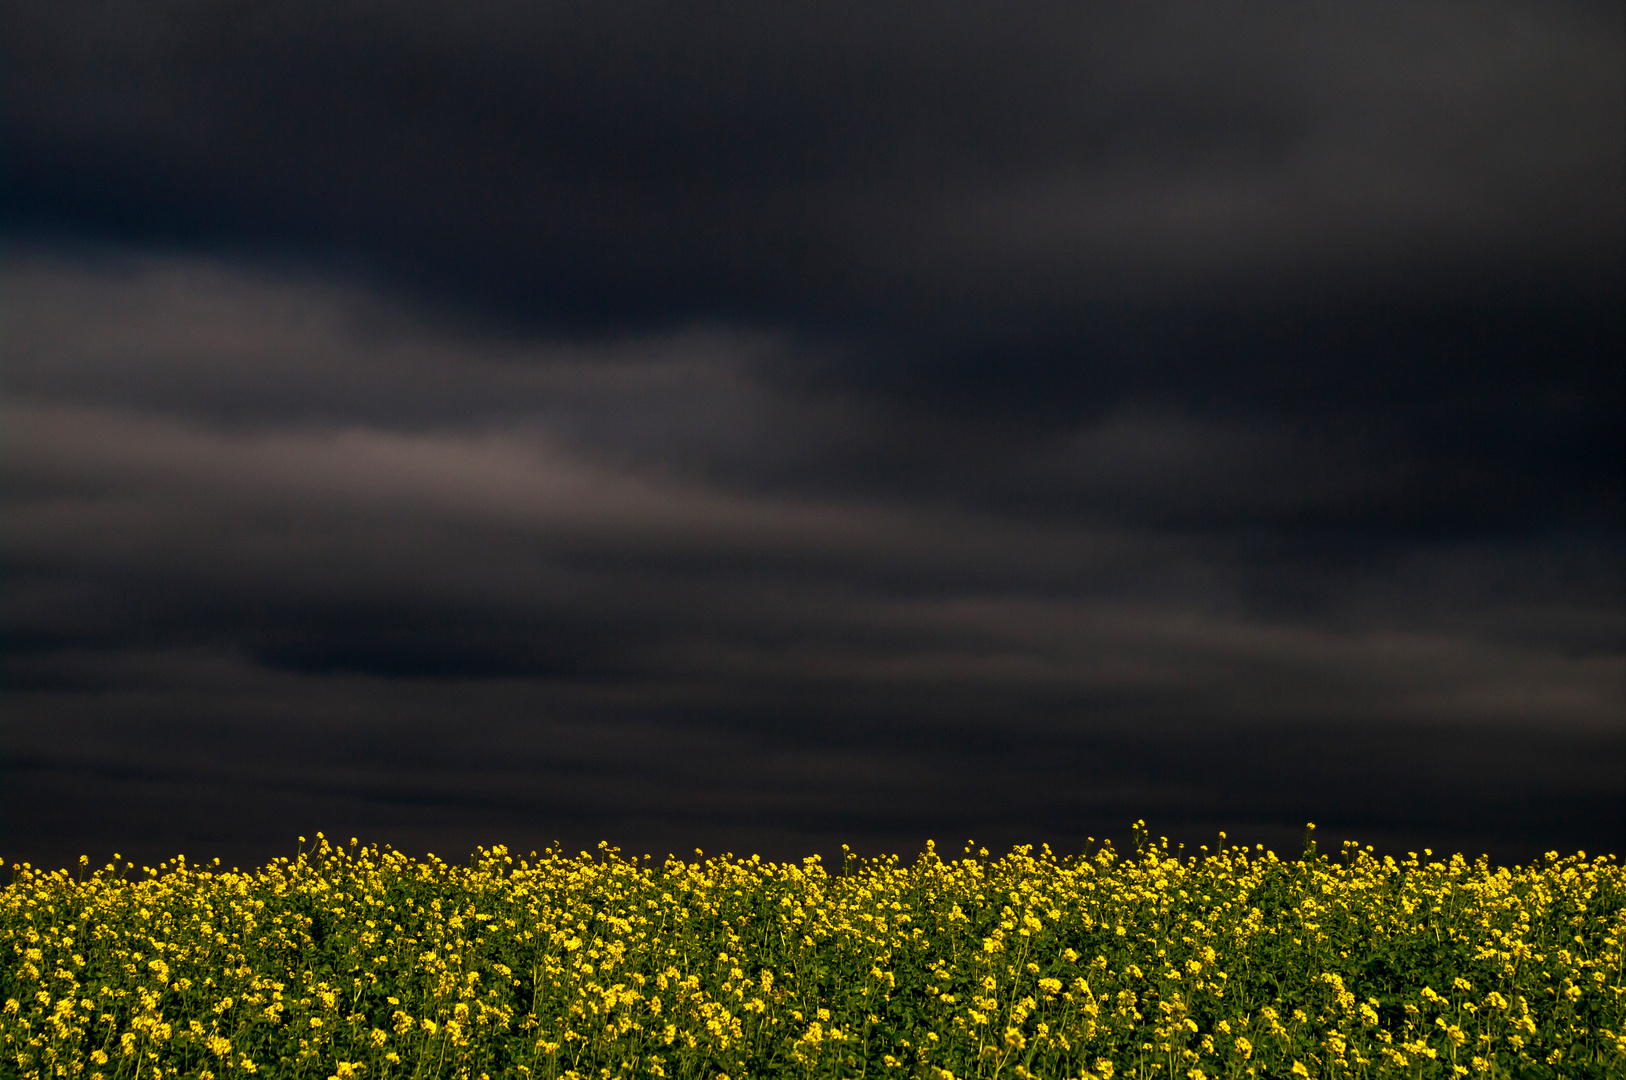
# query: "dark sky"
[762,426]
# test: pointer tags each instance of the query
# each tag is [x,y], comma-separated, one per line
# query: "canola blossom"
[353,961]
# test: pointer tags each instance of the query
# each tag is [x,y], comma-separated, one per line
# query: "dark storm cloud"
[1398,225]
[804,423]
[942,166]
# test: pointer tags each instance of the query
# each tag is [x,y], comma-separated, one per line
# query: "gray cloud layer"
[788,425]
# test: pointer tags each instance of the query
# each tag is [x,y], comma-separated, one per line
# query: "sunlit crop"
[352,961]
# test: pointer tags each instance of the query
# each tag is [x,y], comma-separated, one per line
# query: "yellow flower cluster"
[356,962]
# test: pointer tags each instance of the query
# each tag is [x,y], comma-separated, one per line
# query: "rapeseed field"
[355,961]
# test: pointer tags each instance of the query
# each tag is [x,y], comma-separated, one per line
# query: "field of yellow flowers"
[356,961]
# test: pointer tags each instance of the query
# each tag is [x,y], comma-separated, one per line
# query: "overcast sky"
[763,426]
